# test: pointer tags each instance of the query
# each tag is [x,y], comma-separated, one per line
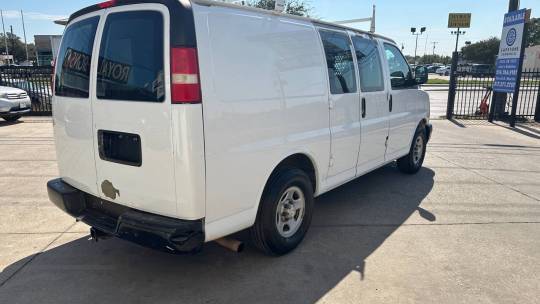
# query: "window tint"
[369,64]
[74,57]
[131,57]
[400,73]
[340,63]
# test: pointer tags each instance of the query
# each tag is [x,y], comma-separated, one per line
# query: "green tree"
[428,59]
[484,51]
[533,35]
[292,7]
[16,47]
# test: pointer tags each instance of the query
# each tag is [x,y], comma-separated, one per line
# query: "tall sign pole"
[459,21]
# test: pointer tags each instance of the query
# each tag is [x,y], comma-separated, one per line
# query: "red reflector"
[107,4]
[185,86]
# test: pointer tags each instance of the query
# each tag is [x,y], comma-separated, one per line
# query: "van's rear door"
[132,109]
[72,109]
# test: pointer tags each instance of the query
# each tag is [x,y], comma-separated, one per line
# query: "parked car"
[198,120]
[481,70]
[39,94]
[13,103]
[433,68]
[443,71]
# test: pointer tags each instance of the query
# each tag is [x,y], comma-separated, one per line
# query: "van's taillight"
[107,4]
[185,85]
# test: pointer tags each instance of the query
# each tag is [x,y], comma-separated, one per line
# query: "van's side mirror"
[420,75]
[398,79]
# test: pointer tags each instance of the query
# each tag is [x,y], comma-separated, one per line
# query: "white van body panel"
[150,187]
[74,135]
[264,98]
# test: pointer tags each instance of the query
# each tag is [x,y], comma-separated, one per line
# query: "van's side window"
[74,57]
[131,57]
[339,60]
[400,72]
[369,64]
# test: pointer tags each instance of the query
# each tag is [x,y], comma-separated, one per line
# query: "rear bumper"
[147,229]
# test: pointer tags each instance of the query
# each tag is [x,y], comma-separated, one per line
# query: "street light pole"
[413,31]
[24,33]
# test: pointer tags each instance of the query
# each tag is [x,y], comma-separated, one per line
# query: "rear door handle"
[363,108]
[390,104]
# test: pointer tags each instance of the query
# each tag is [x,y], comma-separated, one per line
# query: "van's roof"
[269,12]
[235,6]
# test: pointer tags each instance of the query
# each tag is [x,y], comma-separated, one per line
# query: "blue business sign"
[509,52]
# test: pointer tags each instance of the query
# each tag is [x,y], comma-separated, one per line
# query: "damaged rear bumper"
[147,229]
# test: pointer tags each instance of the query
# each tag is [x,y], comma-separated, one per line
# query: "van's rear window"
[131,57]
[74,57]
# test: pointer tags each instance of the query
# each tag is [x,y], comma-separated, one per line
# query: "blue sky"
[394,17]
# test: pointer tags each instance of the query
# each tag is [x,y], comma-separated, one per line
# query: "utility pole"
[434,45]
[24,33]
[12,43]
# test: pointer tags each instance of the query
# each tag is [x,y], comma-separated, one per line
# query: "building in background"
[532,58]
[46,48]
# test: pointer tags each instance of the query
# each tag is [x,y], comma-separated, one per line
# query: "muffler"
[96,234]
[231,244]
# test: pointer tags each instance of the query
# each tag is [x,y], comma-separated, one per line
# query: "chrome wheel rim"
[290,211]
[418,149]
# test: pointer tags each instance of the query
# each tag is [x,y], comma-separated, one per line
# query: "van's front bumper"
[147,229]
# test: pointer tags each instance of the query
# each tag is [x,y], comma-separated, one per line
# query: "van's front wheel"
[284,214]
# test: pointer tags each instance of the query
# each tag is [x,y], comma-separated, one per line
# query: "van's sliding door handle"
[390,104]
[363,108]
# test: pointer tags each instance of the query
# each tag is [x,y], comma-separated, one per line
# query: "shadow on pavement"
[349,224]
[4,123]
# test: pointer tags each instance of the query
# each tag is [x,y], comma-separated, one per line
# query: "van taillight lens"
[185,85]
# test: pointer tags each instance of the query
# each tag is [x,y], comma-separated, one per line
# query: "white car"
[444,71]
[200,119]
[13,103]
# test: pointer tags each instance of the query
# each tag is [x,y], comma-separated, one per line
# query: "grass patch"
[437,81]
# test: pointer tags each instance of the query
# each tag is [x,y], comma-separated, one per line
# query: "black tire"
[411,163]
[12,118]
[264,232]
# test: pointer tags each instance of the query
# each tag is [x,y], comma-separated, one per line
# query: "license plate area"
[119,147]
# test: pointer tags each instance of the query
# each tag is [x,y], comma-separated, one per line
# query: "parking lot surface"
[463,230]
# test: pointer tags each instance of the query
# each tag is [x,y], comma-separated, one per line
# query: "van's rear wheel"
[284,214]
[412,162]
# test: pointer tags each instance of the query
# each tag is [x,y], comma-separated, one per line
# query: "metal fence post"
[537,109]
[452,87]
[515,97]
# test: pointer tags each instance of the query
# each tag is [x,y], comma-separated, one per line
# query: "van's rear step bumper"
[147,229]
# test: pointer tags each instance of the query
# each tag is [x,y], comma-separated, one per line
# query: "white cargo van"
[181,122]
